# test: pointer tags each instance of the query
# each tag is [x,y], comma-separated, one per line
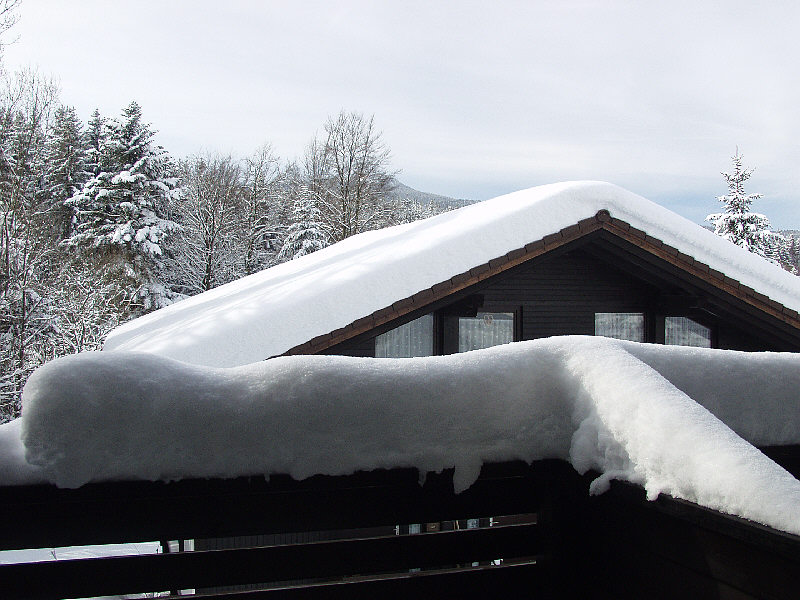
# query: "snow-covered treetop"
[737,201]
[270,312]
[737,223]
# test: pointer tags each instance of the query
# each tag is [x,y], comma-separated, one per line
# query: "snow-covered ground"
[270,312]
[637,412]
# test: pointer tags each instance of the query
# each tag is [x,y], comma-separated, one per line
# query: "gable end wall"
[576,305]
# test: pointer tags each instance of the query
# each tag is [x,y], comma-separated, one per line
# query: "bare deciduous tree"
[8,18]
[263,208]
[27,246]
[349,175]
[209,208]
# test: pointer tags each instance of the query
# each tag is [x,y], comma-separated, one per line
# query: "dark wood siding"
[359,347]
[560,295]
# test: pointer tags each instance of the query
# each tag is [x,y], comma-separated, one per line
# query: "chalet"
[567,259]
[579,258]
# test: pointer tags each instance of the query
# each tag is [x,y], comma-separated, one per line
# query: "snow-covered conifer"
[411,210]
[94,142]
[737,223]
[66,172]
[306,233]
[121,210]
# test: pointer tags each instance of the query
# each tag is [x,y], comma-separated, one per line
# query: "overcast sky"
[475,99]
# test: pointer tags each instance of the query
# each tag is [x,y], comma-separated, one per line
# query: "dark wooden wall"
[560,295]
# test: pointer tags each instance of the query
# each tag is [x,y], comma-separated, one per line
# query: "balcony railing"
[518,528]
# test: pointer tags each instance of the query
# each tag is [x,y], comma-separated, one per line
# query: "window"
[447,334]
[683,331]
[412,339]
[484,330]
[620,326]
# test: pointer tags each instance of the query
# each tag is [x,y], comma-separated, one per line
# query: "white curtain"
[485,330]
[682,331]
[620,326]
[412,339]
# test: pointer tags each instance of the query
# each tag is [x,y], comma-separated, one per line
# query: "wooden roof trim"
[602,220]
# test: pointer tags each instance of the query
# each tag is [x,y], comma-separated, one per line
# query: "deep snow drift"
[599,403]
[270,312]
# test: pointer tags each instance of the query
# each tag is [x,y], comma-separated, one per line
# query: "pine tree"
[66,172]
[121,210]
[94,141]
[737,224]
[306,233]
[410,210]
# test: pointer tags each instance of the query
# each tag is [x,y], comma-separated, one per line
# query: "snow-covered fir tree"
[793,253]
[66,172]
[306,233]
[737,223]
[121,210]
[94,141]
[411,210]
[782,250]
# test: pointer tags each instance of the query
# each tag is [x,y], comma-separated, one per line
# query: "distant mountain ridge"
[402,191]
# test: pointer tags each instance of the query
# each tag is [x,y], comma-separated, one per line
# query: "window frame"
[655,323]
[403,324]
[444,342]
[448,324]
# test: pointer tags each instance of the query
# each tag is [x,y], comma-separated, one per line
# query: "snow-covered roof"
[271,312]
[675,420]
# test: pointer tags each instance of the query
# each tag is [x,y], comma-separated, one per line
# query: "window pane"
[620,326]
[412,339]
[485,330]
[682,331]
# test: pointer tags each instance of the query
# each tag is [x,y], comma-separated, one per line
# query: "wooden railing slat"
[529,580]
